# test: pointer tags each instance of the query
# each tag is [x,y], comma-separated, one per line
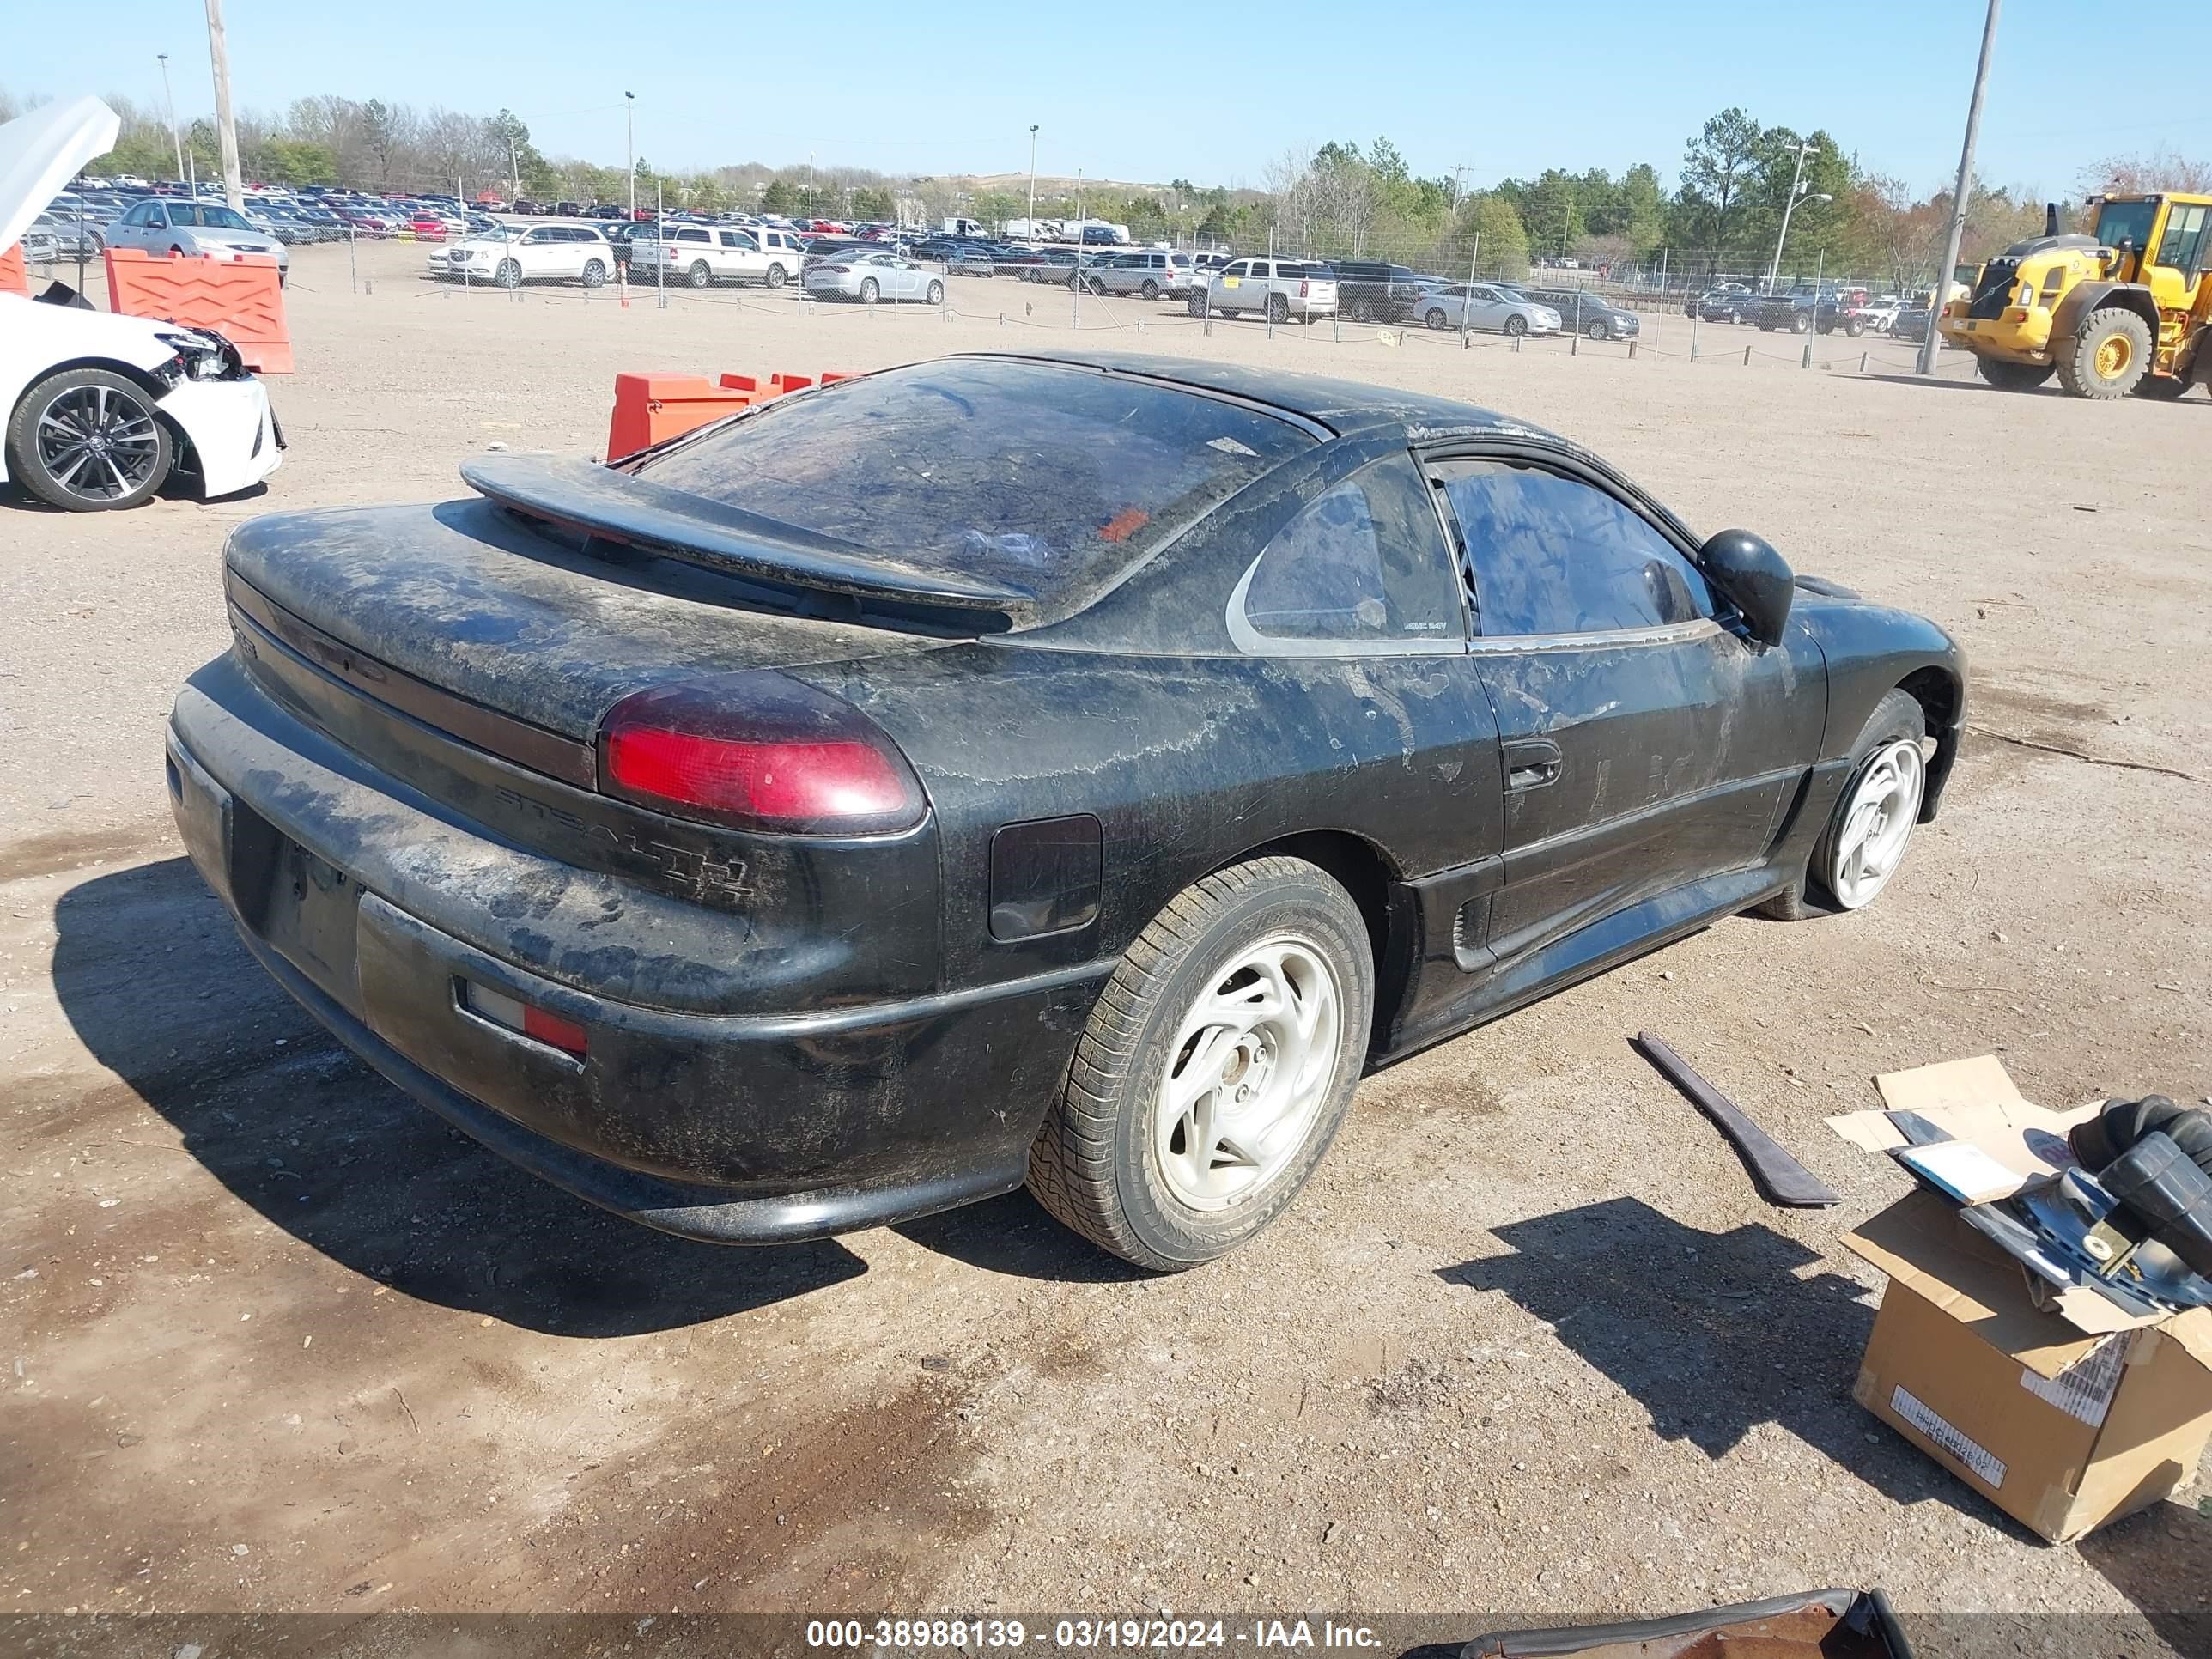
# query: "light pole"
[1797,193]
[169,98]
[629,128]
[1934,342]
[1033,132]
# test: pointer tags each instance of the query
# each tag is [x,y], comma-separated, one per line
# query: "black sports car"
[1068,769]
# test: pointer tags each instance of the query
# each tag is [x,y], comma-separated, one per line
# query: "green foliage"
[779,198]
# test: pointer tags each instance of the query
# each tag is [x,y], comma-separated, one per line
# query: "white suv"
[1281,288]
[512,256]
[703,255]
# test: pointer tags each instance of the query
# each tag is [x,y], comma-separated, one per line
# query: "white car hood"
[42,151]
[67,331]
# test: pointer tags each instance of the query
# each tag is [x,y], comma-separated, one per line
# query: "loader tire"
[2108,357]
[2009,376]
[2161,388]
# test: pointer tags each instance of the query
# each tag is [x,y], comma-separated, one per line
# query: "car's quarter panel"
[1870,650]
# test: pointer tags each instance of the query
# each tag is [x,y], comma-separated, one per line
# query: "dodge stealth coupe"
[1073,770]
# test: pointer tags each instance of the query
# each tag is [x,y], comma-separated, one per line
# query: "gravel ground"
[1527,1345]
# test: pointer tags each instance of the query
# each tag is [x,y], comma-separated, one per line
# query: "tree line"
[1722,217]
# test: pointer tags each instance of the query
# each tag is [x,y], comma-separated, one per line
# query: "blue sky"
[1147,93]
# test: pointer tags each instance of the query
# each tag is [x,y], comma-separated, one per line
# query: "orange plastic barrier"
[775,386]
[239,298]
[650,408]
[13,279]
[831,376]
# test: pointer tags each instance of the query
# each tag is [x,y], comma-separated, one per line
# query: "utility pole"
[225,131]
[1797,184]
[1933,343]
[169,98]
[629,127]
[1033,132]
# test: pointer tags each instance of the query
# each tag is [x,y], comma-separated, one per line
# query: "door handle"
[1532,762]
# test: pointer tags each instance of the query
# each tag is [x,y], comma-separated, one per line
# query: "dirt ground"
[1529,1344]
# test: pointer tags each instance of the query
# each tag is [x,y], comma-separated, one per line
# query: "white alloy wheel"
[1869,843]
[1253,1060]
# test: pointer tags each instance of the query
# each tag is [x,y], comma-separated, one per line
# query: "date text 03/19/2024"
[1089,1635]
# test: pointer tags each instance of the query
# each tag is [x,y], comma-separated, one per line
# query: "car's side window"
[1549,554]
[1364,561]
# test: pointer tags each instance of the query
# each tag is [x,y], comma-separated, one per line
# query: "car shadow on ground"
[155,982]
[2162,1561]
[1713,1334]
[1014,1235]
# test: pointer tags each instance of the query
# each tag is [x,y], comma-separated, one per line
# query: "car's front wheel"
[88,440]
[1216,1066]
[595,273]
[1865,840]
[1596,329]
[1516,325]
[509,274]
[937,293]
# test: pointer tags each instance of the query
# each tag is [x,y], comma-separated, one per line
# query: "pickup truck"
[703,255]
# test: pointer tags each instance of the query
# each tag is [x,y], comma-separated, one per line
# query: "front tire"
[2008,376]
[2109,357]
[1516,326]
[1215,1069]
[937,293]
[1598,330]
[88,441]
[2161,388]
[509,274]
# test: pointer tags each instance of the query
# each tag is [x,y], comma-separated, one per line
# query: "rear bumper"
[734,1128]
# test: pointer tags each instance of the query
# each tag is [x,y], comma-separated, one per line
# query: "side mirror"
[1753,578]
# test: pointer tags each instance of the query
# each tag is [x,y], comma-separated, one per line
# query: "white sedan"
[870,277]
[100,408]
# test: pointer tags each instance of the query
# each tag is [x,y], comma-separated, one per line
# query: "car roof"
[1345,407]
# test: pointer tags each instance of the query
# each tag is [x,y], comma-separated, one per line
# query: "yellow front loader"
[2123,310]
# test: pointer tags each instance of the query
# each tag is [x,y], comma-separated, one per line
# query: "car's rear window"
[1056,477]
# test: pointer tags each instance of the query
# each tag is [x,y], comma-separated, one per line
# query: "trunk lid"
[464,598]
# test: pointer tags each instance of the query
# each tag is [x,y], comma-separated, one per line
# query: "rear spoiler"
[618,506]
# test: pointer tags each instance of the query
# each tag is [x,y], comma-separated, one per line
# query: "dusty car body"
[751,836]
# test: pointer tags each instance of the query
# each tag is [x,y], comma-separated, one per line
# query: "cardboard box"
[2066,1415]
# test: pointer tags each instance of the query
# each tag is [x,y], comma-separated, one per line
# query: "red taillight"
[527,1017]
[1304,287]
[757,752]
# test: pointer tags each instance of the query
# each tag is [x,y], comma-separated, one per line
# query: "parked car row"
[1830,308]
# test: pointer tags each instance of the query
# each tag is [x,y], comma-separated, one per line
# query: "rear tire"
[1150,290]
[1435,319]
[1279,309]
[702,274]
[870,291]
[776,277]
[2008,376]
[2109,357]
[595,273]
[1258,980]
[2161,388]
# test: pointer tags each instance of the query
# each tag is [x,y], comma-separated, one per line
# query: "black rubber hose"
[2123,1122]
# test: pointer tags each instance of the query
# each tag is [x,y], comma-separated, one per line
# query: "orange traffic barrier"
[239,298]
[831,376]
[13,279]
[775,386]
[651,408]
